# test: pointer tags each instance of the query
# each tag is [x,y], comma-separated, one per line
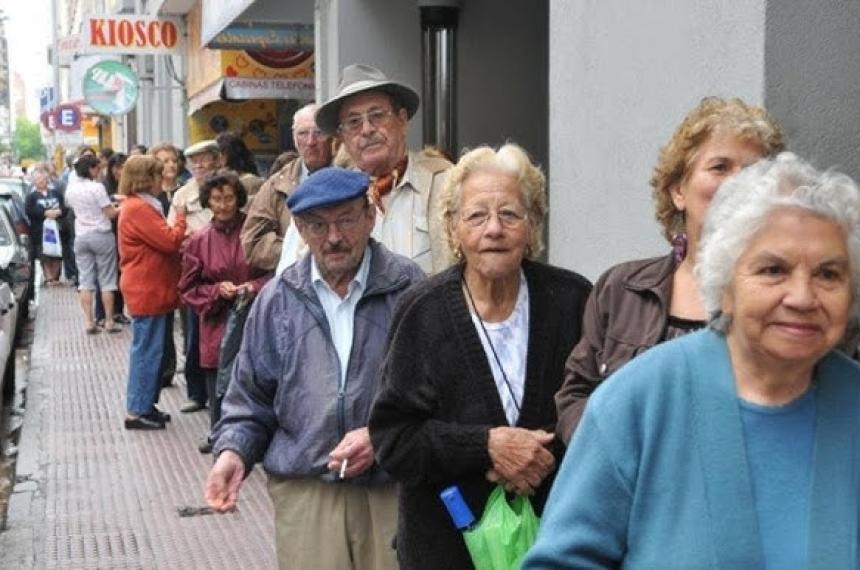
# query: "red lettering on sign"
[97,35]
[145,33]
[169,34]
[125,33]
[153,35]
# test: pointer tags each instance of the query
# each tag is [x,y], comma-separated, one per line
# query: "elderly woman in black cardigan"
[474,358]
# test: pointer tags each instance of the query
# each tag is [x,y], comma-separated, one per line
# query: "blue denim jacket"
[284,406]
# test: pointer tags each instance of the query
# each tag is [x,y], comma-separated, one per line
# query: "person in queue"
[112,173]
[204,158]
[304,381]
[268,215]
[370,116]
[237,157]
[95,244]
[737,446]
[41,203]
[638,304]
[150,264]
[509,323]
[215,272]
[169,156]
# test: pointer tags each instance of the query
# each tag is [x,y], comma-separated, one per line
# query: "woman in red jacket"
[215,272]
[150,265]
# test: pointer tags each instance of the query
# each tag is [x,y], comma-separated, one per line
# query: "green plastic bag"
[504,534]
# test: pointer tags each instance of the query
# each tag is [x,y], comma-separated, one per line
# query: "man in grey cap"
[304,381]
[203,159]
[370,114]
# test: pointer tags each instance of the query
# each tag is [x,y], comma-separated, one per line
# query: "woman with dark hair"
[215,273]
[95,244]
[238,158]
[112,173]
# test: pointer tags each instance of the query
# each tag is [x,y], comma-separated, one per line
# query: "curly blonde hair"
[509,159]
[747,123]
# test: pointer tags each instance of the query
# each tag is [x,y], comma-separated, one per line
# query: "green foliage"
[27,140]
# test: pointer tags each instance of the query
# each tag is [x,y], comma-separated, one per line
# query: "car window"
[15,186]
[7,233]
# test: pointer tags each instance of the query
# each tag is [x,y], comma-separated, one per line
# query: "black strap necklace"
[490,342]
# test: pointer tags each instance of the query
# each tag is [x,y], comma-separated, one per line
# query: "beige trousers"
[334,526]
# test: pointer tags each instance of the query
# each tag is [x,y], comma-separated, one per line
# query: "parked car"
[8,327]
[12,194]
[16,268]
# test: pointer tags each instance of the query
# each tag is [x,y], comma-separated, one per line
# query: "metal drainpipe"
[439,59]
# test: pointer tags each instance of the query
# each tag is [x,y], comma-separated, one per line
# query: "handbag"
[231,341]
[51,246]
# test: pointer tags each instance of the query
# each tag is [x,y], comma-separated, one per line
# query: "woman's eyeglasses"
[508,217]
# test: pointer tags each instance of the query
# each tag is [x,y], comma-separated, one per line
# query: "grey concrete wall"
[381,33]
[503,62]
[812,79]
[622,76]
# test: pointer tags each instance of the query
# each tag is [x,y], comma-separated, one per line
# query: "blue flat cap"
[326,187]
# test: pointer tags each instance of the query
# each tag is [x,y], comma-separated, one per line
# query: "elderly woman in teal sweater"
[737,446]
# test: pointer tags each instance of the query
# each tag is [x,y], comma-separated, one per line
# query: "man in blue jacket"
[304,381]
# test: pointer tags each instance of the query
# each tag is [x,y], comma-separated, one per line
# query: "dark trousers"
[214,401]
[70,267]
[118,303]
[168,358]
[194,376]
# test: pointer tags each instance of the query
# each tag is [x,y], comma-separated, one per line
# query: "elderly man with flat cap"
[268,215]
[370,115]
[203,158]
[304,381]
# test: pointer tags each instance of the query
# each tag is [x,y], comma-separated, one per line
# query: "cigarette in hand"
[343,468]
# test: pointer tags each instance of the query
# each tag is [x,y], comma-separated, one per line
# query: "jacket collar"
[653,275]
[387,273]
[292,171]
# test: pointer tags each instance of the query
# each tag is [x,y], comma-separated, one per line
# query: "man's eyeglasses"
[319,228]
[352,125]
[508,217]
[308,134]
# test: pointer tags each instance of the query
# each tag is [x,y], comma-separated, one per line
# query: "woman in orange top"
[150,267]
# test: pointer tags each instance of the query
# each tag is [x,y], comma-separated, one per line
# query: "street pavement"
[90,494]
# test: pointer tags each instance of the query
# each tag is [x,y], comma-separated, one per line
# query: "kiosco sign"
[131,34]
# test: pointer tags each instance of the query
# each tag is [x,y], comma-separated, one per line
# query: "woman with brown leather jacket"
[638,304]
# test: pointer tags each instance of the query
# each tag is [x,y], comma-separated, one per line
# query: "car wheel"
[9,376]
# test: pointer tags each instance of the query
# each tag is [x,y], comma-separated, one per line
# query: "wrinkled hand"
[357,449]
[521,460]
[224,481]
[53,213]
[227,290]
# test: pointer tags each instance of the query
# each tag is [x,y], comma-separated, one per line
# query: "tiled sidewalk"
[92,495]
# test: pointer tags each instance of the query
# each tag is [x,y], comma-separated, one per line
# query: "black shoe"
[121,319]
[143,422]
[158,415]
[205,445]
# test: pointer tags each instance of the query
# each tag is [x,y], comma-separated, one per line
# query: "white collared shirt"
[340,312]
[403,227]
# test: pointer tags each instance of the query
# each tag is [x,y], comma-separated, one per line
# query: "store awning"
[243,88]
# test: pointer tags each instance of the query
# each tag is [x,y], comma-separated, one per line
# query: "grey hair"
[510,159]
[740,209]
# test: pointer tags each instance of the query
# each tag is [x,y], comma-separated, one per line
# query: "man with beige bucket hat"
[370,114]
